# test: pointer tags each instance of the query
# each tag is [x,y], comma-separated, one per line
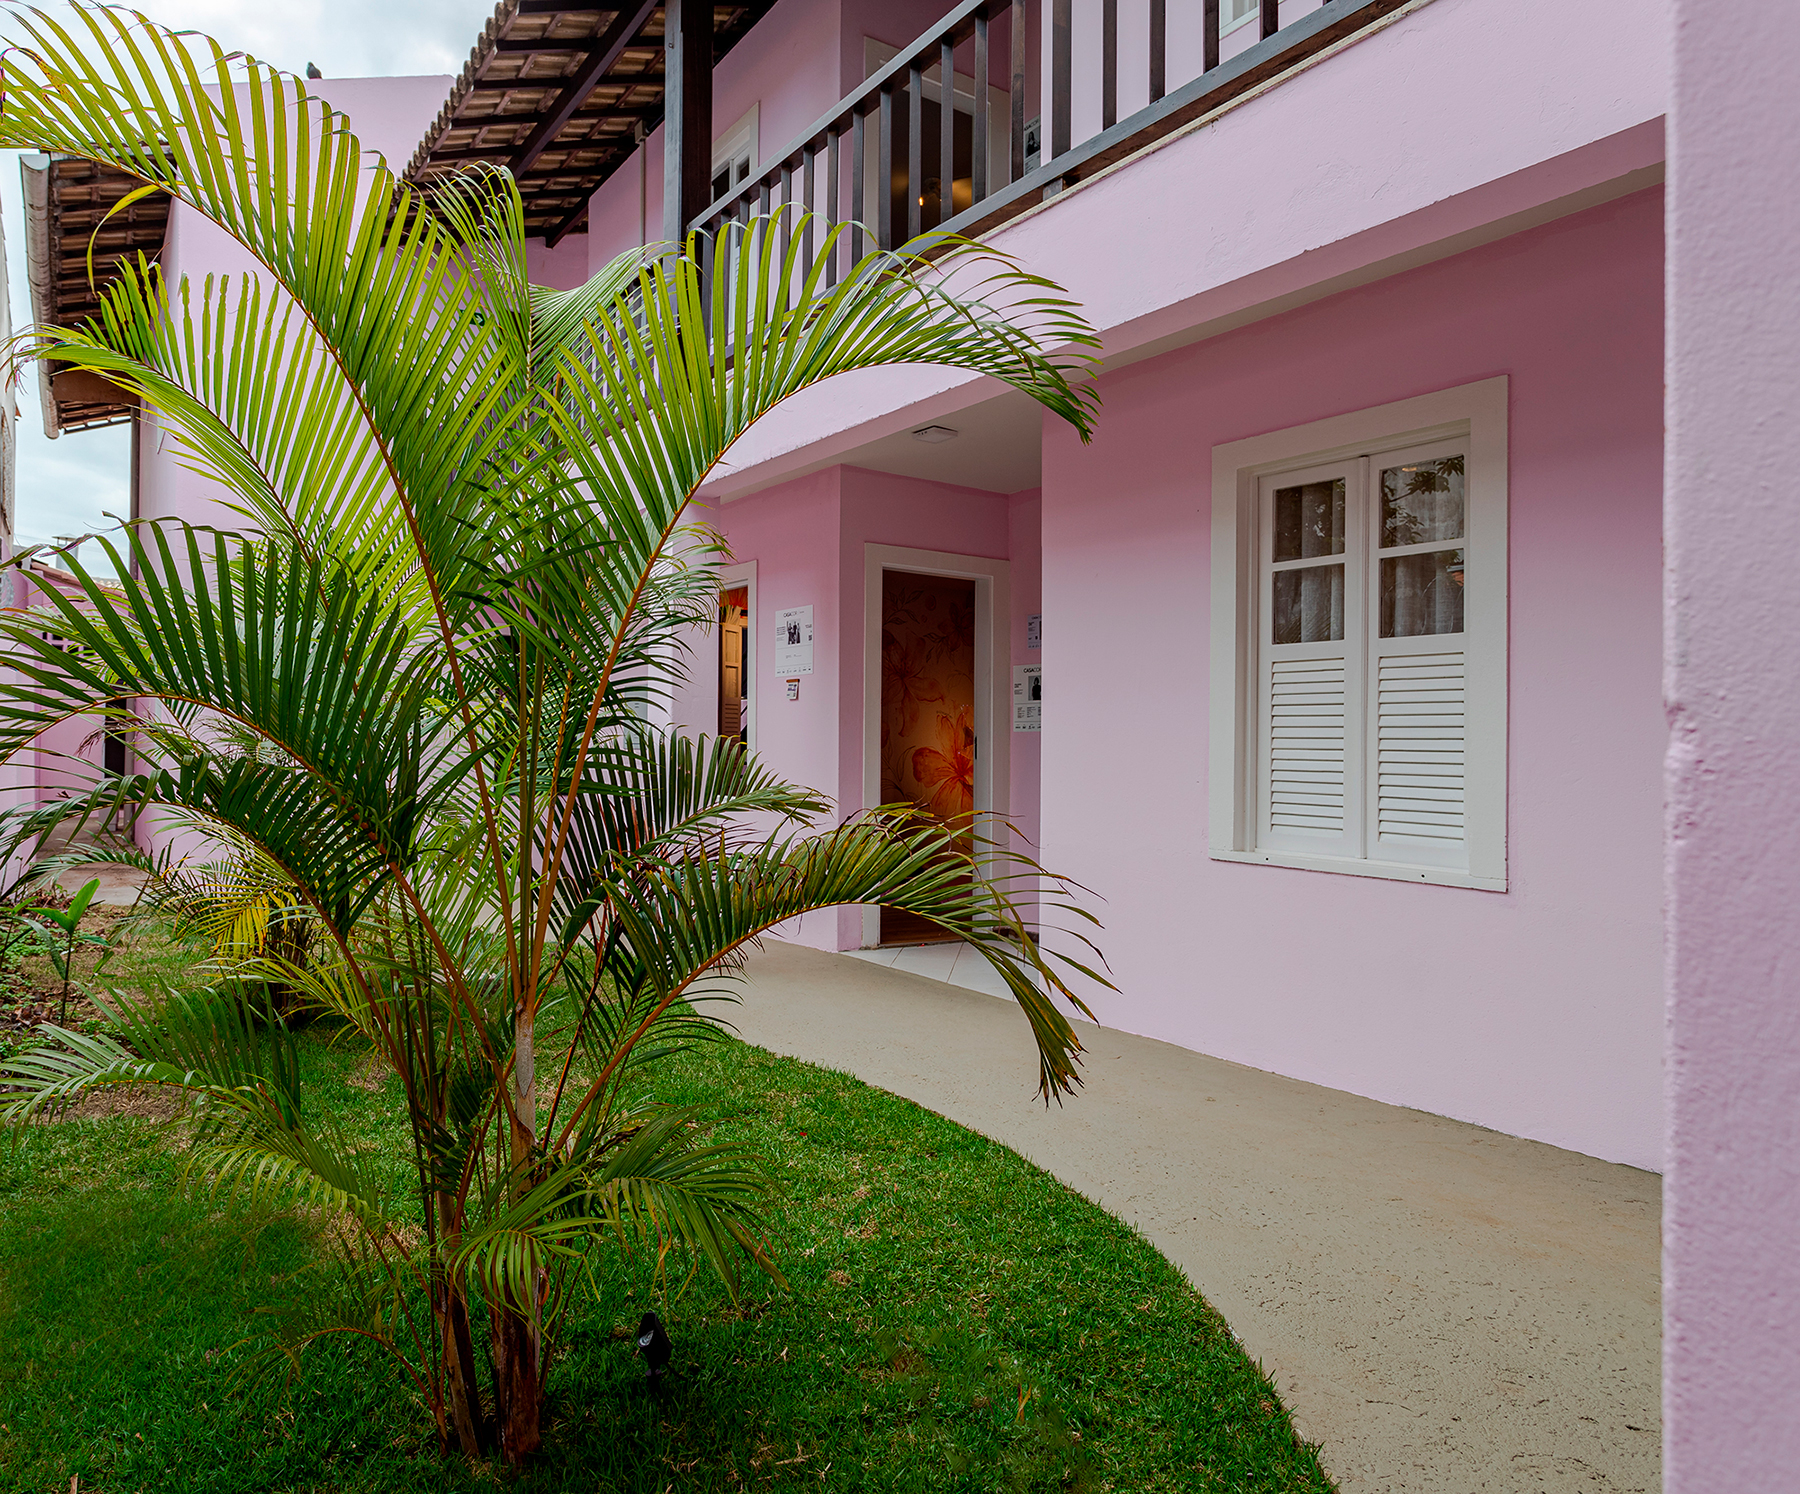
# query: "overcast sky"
[66,486]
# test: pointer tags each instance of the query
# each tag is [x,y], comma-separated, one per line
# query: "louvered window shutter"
[1309,674]
[1359,634]
[1363,671]
[1418,659]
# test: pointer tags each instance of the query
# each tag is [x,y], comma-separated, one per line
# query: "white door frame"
[993,682]
[743,573]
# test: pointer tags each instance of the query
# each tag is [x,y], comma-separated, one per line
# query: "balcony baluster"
[1000,186]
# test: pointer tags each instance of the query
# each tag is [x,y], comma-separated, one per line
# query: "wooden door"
[734,663]
[927,710]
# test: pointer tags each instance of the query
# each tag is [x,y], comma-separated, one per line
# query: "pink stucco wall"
[1535,1011]
[389,115]
[808,539]
[1732,1221]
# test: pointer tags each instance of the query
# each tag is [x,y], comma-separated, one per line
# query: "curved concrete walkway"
[1445,1308]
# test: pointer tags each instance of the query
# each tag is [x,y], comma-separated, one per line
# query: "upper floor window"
[734,154]
[1359,675]
[1233,13]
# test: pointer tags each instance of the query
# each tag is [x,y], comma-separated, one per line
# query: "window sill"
[1434,876]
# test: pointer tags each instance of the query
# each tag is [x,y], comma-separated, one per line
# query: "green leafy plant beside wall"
[62,936]
[460,575]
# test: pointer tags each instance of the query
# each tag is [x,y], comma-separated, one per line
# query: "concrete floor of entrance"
[1444,1308]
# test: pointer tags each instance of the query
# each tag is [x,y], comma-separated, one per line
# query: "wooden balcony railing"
[892,130]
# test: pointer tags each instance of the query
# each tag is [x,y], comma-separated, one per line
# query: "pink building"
[1361,643]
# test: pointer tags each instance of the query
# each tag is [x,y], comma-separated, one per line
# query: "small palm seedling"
[61,950]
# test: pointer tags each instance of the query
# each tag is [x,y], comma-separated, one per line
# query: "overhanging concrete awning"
[67,203]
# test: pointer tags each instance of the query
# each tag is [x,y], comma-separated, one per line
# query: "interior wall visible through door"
[734,663]
[927,709]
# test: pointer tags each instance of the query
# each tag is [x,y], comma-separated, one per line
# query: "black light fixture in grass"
[653,1344]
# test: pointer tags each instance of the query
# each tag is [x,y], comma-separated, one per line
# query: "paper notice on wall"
[1028,697]
[794,641]
[1034,630]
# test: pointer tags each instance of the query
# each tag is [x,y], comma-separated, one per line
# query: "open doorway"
[947,188]
[934,712]
[734,663]
[927,711]
[933,178]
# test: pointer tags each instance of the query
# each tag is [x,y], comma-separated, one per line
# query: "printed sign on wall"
[1028,697]
[1034,630]
[794,641]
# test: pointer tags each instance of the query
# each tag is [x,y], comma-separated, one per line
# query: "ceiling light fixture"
[934,434]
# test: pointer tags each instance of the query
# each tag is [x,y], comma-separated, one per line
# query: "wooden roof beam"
[623,31]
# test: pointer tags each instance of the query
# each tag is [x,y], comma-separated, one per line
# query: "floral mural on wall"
[928,692]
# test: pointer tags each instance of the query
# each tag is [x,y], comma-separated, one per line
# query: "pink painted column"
[1732,1228]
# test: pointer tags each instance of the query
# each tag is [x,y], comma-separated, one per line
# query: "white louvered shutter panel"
[1308,760]
[1419,662]
[1306,736]
[1421,757]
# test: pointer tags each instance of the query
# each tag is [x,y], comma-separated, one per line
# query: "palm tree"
[462,572]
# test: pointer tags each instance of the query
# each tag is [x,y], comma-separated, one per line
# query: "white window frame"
[738,144]
[1254,10]
[1471,413]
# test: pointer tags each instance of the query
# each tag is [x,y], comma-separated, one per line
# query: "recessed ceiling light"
[934,434]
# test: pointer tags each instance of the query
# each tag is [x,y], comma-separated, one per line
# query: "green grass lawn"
[956,1320]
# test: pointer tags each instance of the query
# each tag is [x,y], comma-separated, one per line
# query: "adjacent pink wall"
[1025,523]
[389,115]
[563,268]
[1534,1011]
[808,538]
[1732,1219]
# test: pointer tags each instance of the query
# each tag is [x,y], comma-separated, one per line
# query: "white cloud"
[67,486]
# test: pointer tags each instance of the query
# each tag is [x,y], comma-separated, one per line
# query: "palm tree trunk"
[462,1392]
[518,1382]
[518,1333]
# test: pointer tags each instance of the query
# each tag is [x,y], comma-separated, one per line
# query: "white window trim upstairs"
[1475,414]
[739,144]
[1251,13]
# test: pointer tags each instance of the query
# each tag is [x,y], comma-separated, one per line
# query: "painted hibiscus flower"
[906,685]
[946,772]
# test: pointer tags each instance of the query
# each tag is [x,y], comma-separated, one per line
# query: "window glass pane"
[1422,503]
[1420,594]
[1309,604]
[1309,520]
